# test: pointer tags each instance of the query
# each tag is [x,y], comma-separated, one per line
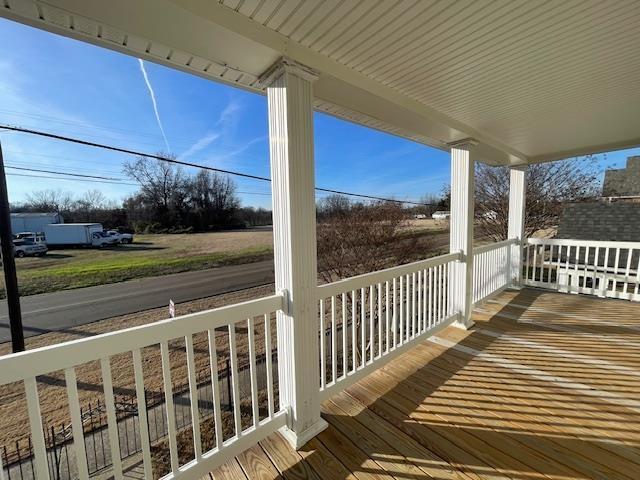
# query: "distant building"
[33,222]
[623,183]
[441,215]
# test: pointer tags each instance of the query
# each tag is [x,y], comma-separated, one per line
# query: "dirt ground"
[52,389]
[427,224]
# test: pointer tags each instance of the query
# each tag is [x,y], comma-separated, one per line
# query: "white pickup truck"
[26,247]
[119,237]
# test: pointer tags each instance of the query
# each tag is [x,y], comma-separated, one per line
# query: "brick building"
[623,183]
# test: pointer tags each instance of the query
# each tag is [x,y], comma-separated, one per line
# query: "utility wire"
[65,173]
[70,179]
[190,164]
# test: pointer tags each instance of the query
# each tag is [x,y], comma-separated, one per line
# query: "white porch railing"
[25,367]
[369,319]
[605,269]
[491,269]
[364,322]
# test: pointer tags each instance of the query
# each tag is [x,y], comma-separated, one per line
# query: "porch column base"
[298,439]
[460,323]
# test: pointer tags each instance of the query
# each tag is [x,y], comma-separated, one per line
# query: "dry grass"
[427,224]
[52,389]
[156,245]
[161,457]
[150,255]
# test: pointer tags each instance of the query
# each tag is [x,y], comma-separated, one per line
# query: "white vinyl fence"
[363,322]
[602,268]
[367,320]
[492,269]
[25,367]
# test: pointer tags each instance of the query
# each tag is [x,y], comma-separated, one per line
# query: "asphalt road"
[61,311]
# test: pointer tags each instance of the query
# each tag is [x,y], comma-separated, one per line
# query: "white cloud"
[201,144]
[224,127]
[153,101]
[228,114]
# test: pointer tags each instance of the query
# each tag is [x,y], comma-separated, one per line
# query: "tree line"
[169,200]
[172,200]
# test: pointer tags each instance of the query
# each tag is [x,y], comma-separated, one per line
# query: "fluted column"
[290,100]
[517,204]
[461,232]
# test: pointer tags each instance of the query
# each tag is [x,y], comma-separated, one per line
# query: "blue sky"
[71,88]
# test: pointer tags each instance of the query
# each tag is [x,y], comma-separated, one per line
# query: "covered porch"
[543,386]
[447,367]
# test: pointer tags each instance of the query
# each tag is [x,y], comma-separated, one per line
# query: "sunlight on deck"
[545,385]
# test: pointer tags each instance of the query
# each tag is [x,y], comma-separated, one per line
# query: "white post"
[517,199]
[290,99]
[461,232]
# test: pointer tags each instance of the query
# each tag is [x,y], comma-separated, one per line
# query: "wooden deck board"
[545,386]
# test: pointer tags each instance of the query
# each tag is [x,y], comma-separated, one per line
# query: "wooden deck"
[545,385]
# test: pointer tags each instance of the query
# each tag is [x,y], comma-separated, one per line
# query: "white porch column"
[290,99]
[517,199]
[461,231]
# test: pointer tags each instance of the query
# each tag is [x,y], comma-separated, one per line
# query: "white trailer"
[33,222]
[76,234]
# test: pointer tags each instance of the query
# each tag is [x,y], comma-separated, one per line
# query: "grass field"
[150,255]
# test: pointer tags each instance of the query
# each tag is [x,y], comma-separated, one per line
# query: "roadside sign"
[172,309]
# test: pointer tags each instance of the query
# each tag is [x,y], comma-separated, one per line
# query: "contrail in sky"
[155,105]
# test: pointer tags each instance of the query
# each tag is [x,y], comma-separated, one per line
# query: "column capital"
[521,167]
[287,65]
[464,144]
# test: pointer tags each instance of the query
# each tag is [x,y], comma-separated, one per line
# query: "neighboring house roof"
[623,182]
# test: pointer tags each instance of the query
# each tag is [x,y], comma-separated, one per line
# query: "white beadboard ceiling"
[530,80]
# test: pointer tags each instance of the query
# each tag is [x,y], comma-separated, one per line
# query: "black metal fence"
[17,458]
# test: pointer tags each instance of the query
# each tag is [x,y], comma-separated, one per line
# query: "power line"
[65,173]
[70,179]
[190,164]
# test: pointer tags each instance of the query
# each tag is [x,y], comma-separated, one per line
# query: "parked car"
[120,237]
[37,237]
[101,239]
[441,215]
[27,247]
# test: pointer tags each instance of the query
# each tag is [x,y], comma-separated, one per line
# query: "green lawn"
[150,255]
[115,270]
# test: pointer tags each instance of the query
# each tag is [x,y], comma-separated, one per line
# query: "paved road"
[61,311]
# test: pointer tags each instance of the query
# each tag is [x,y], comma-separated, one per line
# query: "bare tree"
[161,187]
[212,198]
[549,186]
[49,201]
[92,200]
[356,238]
[174,200]
[158,180]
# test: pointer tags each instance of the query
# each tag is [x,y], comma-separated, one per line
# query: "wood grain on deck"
[545,386]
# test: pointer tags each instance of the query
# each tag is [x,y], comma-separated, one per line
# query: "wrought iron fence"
[18,460]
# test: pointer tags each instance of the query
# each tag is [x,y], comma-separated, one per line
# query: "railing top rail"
[39,361]
[494,246]
[582,243]
[364,280]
